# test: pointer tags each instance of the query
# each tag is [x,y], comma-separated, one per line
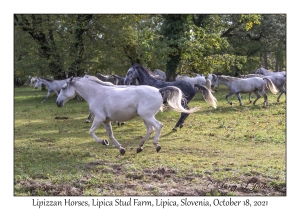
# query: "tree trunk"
[77,48]
[265,60]
[276,65]
[174,28]
[171,65]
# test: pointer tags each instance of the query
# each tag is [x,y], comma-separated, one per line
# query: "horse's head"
[66,93]
[214,81]
[130,76]
[258,71]
[37,83]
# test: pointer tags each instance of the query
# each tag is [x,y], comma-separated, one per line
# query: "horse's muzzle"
[127,81]
[60,103]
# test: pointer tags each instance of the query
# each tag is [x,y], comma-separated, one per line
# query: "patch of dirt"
[47,188]
[159,182]
[45,140]
[61,118]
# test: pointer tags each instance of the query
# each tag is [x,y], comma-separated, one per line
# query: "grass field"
[230,150]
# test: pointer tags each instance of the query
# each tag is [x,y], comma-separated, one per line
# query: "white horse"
[278,78]
[122,103]
[31,80]
[52,85]
[247,85]
[160,73]
[266,72]
[198,79]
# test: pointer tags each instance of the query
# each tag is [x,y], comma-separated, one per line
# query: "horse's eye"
[64,86]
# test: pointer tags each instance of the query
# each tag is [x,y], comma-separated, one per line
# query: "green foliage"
[70,44]
[250,20]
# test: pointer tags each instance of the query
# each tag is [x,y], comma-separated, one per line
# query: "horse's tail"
[207,95]
[208,85]
[270,85]
[173,96]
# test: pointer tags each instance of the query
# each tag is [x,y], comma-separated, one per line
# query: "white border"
[132,7]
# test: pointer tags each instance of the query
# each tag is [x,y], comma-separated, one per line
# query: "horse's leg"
[183,116]
[238,95]
[250,101]
[281,92]
[257,96]
[179,123]
[96,123]
[88,119]
[48,94]
[110,134]
[119,123]
[227,98]
[265,97]
[158,126]
[150,130]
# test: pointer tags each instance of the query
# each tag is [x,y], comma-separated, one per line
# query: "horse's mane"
[251,75]
[95,79]
[113,75]
[228,78]
[101,75]
[49,80]
[148,71]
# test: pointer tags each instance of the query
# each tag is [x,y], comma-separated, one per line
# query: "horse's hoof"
[174,129]
[158,148]
[87,121]
[230,103]
[122,123]
[105,142]
[122,151]
[138,150]
[181,126]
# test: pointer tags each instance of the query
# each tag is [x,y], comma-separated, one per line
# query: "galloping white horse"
[266,72]
[198,79]
[53,85]
[247,85]
[278,78]
[109,102]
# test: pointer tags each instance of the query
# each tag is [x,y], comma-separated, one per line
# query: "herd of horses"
[143,93]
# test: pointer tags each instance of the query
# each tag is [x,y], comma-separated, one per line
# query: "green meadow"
[230,150]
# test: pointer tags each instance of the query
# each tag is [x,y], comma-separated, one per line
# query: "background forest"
[63,45]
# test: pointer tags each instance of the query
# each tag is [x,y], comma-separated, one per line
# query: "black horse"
[145,77]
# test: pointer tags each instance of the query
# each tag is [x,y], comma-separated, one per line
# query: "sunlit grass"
[229,144]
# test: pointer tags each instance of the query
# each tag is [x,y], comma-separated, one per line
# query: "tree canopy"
[63,45]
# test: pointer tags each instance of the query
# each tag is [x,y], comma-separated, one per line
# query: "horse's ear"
[71,78]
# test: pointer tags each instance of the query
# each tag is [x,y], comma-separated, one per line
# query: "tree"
[80,26]
[64,45]
[175,29]
[50,32]
[41,30]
